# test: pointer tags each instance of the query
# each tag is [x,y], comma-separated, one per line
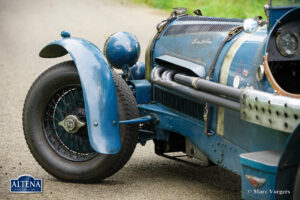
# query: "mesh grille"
[201,18]
[180,104]
[197,28]
[192,24]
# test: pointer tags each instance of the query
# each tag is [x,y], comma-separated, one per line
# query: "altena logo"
[26,184]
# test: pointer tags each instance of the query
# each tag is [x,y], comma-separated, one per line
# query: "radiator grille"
[198,24]
[180,104]
[203,18]
[197,28]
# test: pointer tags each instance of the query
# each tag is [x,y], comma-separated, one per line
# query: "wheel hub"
[71,124]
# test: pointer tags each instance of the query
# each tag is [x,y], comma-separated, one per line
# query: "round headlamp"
[287,43]
[122,49]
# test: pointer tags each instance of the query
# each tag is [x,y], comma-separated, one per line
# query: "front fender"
[98,88]
[288,165]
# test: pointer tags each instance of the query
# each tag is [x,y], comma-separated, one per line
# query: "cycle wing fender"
[98,88]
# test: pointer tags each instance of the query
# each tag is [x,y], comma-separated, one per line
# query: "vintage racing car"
[225,91]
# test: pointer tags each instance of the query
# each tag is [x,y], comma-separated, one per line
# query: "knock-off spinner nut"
[71,124]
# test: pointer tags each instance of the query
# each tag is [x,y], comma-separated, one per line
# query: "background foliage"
[217,8]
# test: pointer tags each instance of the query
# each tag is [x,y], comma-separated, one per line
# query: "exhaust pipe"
[185,91]
[208,86]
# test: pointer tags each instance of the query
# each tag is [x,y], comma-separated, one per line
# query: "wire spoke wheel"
[73,146]
[55,127]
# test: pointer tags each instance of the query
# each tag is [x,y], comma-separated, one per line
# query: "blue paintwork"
[290,155]
[142,91]
[256,136]
[218,149]
[275,13]
[65,34]
[285,17]
[260,162]
[242,63]
[264,192]
[262,165]
[289,162]
[137,71]
[245,137]
[98,90]
[190,47]
[279,175]
[242,138]
[137,120]
[122,49]
[186,45]
[254,46]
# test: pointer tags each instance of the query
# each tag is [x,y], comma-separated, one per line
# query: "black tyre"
[296,191]
[68,156]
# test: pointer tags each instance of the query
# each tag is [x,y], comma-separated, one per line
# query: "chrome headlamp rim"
[250,25]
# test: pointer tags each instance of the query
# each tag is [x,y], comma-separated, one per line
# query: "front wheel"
[54,123]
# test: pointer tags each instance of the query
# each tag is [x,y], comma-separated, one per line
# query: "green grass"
[217,8]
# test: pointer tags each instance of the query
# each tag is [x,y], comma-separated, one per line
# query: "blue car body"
[238,133]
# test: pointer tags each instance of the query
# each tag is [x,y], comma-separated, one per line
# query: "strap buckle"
[205,119]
